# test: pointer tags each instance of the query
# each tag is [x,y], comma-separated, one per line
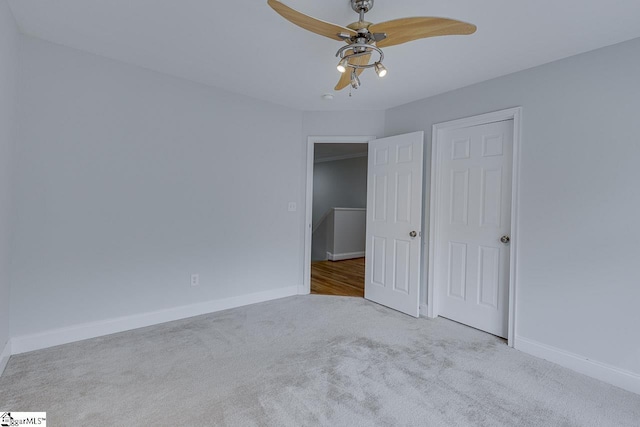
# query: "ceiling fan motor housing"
[362,5]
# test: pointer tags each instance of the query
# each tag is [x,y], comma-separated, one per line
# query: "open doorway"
[339,219]
[336,215]
[393,214]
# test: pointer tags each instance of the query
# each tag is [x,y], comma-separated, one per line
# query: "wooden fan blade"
[314,25]
[345,78]
[407,29]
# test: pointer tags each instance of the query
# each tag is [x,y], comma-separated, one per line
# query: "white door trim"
[305,288]
[514,114]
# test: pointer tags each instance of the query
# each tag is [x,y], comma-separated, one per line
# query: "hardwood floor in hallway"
[344,278]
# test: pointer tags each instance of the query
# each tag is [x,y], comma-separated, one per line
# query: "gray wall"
[339,184]
[127,181]
[8,80]
[339,123]
[578,282]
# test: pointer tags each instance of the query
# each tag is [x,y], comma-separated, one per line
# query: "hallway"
[344,278]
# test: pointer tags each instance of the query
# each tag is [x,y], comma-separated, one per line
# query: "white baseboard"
[610,374]
[343,256]
[53,337]
[4,356]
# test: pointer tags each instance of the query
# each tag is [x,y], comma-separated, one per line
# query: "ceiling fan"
[364,38]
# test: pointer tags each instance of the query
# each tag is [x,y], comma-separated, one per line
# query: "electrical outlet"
[292,207]
[195,279]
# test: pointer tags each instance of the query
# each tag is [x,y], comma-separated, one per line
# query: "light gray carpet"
[303,361]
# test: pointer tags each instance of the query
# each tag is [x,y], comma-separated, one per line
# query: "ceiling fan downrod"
[361,7]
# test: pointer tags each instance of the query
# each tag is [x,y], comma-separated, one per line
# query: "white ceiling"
[245,47]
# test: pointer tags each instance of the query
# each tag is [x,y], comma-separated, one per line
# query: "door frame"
[438,131]
[305,288]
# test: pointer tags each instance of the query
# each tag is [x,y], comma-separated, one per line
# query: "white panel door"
[471,268]
[394,218]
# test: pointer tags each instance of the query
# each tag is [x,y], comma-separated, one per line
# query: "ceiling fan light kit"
[364,39]
[342,65]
